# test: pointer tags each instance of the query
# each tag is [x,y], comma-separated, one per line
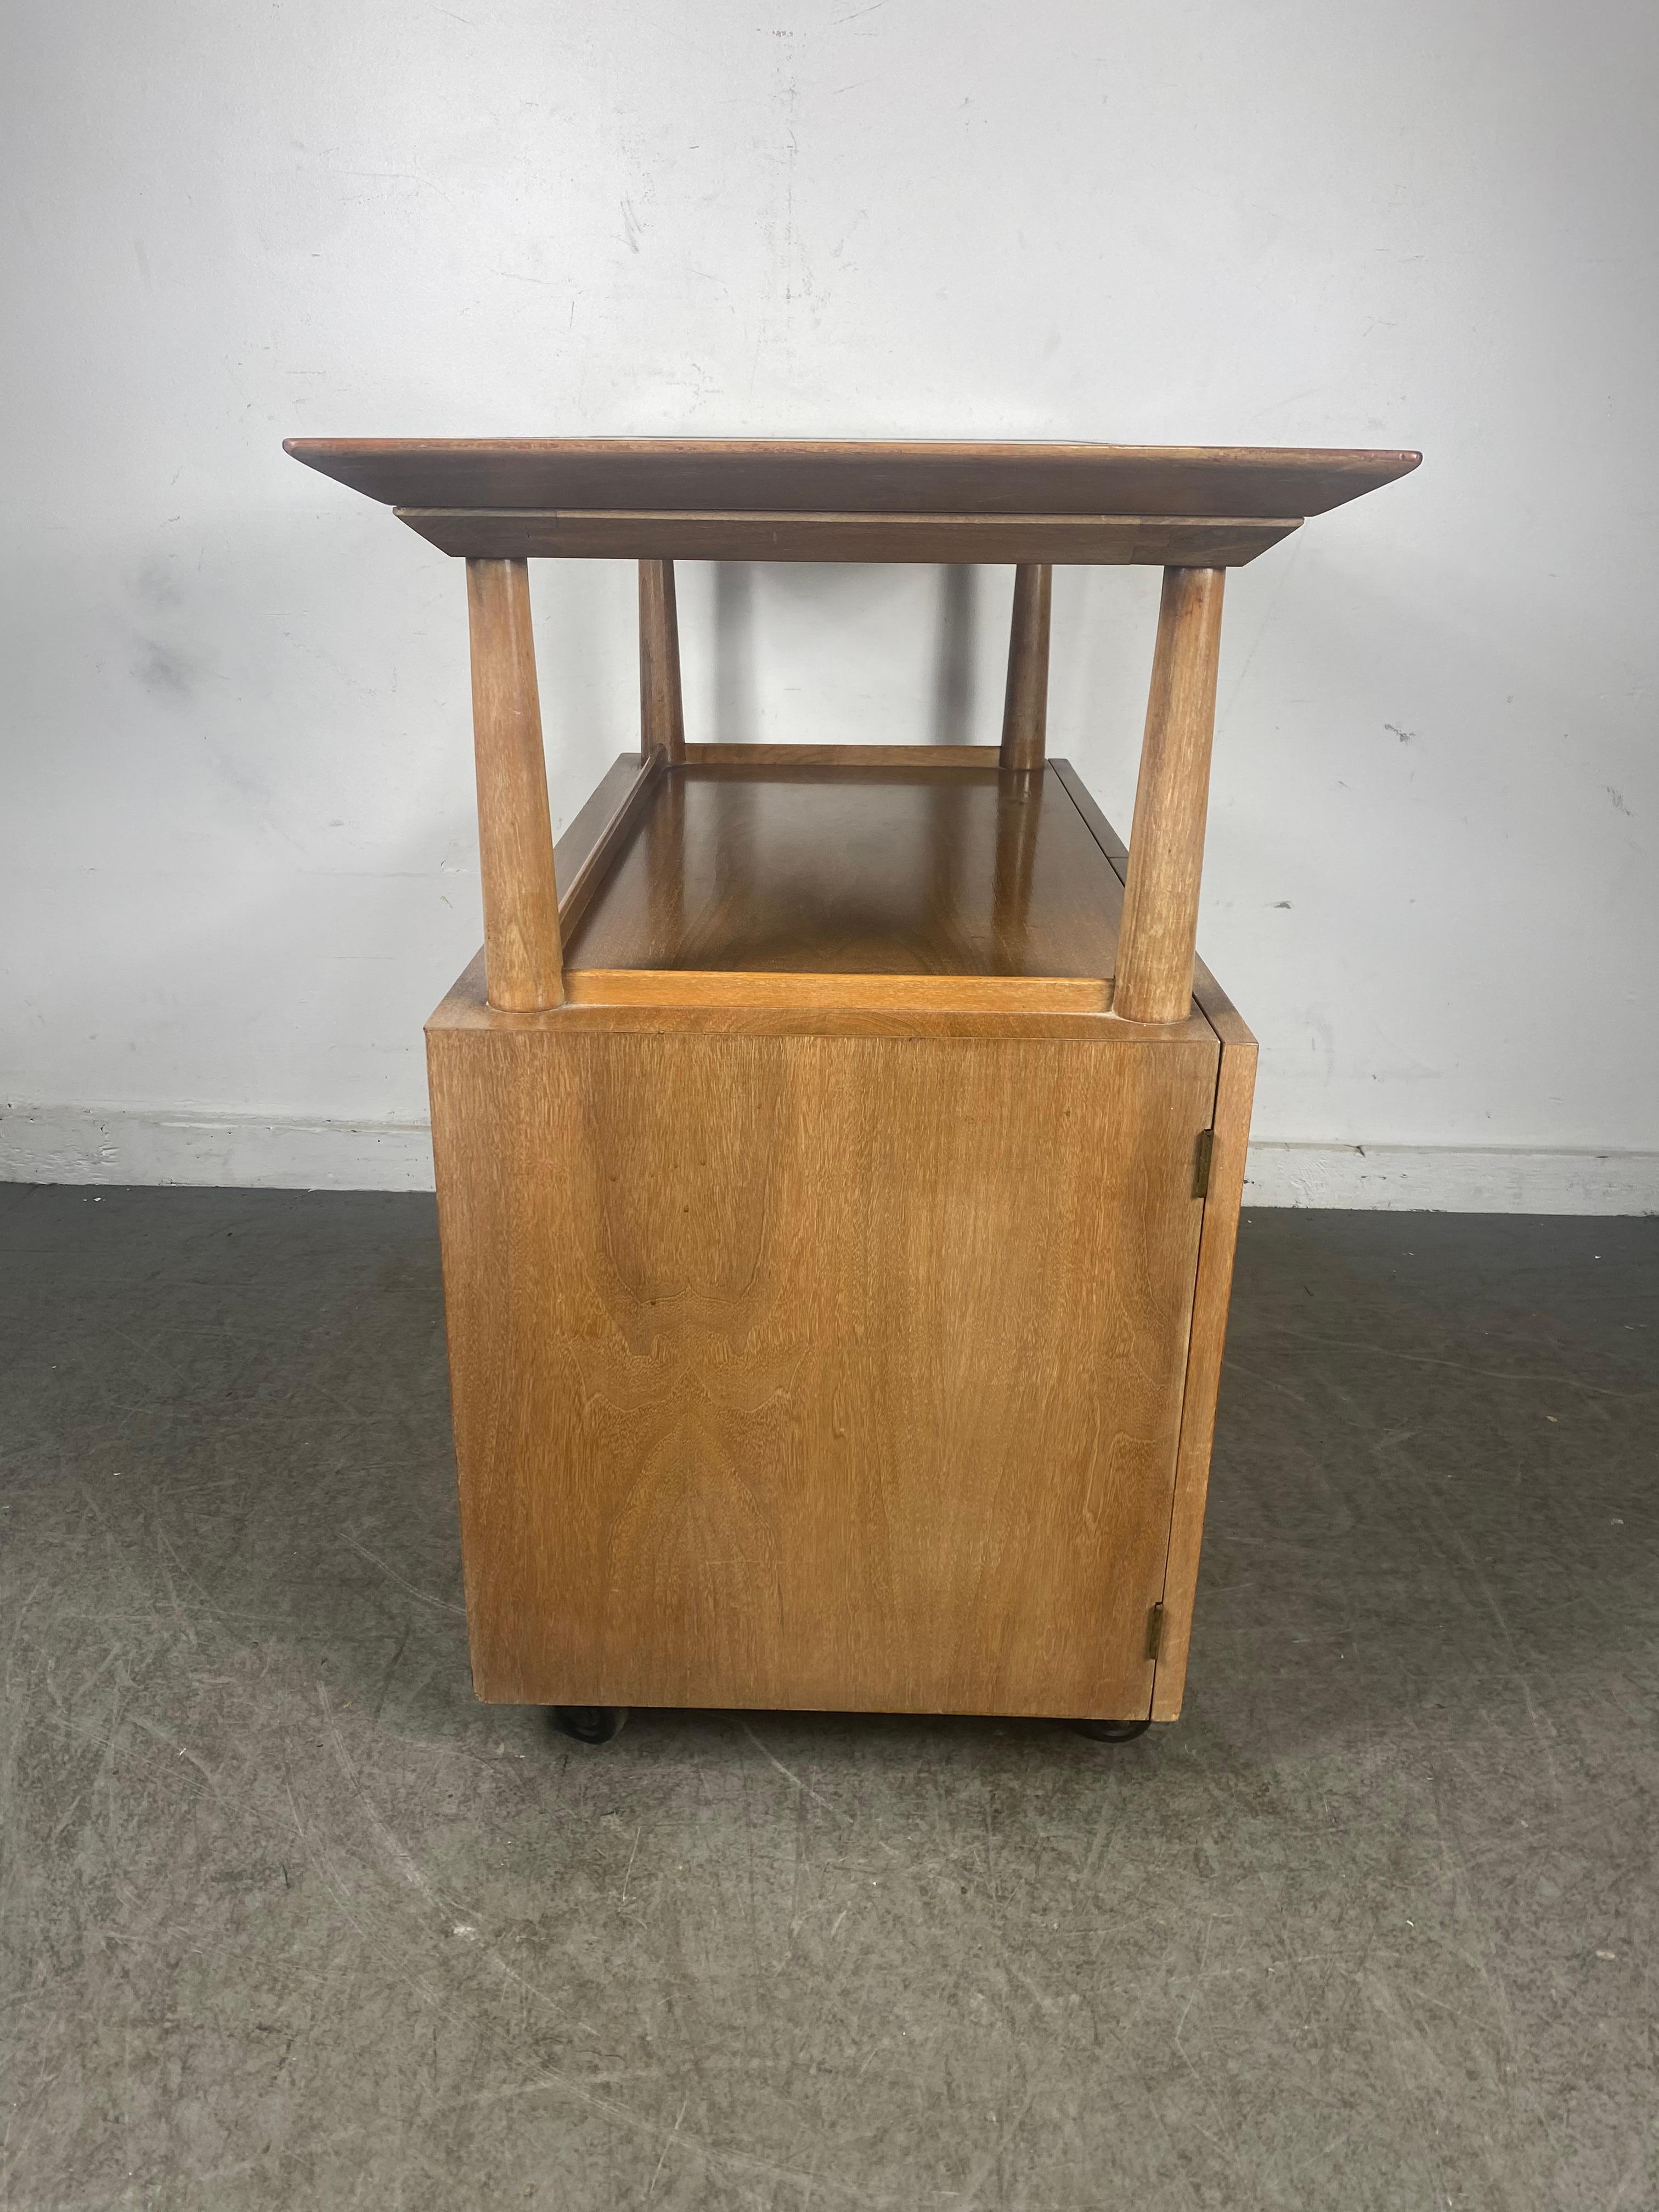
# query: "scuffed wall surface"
[236,829]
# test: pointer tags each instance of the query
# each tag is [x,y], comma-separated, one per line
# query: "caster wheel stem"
[1111,1731]
[588,1723]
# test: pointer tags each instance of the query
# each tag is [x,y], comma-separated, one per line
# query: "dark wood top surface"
[806,475]
[929,872]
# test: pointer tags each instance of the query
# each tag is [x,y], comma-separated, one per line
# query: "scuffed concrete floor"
[287,1920]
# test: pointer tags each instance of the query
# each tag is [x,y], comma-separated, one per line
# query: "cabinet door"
[827,1371]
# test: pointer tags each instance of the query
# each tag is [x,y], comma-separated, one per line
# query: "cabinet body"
[855,1355]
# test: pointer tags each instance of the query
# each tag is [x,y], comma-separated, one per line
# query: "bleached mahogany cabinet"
[839,1150]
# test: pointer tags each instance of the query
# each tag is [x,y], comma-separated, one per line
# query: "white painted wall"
[238,862]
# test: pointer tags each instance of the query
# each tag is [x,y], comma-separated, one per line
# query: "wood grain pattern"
[1210,1004]
[1095,540]
[703,753]
[1234,1091]
[799,989]
[1166,838]
[1104,834]
[662,712]
[465,1007]
[1217,1009]
[964,872]
[833,1319]
[697,1524]
[816,1372]
[925,477]
[632,806]
[585,826]
[522,949]
[1026,704]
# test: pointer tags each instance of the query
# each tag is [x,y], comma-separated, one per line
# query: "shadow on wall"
[325,762]
[839,594]
[953,666]
[735,712]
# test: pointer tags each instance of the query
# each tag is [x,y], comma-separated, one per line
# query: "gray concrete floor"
[286,1919]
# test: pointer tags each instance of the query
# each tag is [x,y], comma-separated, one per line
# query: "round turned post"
[1166,845]
[523,955]
[1019,813]
[662,714]
[1025,708]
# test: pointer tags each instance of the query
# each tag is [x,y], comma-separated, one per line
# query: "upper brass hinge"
[1201,1162]
[1155,1631]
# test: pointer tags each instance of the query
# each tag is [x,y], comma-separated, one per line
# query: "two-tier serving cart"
[839,1151]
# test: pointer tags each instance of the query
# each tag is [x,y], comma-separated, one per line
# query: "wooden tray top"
[803,499]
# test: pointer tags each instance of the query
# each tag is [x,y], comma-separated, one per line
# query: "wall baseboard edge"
[1452,1179]
[125,1145]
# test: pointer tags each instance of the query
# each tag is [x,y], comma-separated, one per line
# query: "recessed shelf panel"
[819,871]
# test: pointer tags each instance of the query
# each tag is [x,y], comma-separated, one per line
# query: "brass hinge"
[1201,1162]
[1155,1631]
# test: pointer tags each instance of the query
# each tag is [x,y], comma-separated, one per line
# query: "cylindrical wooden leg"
[662,714]
[1166,844]
[1025,708]
[1019,813]
[523,955]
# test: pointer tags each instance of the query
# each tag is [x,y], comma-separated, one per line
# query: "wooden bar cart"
[839,1150]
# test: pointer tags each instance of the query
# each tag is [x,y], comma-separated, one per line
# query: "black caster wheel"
[1111,1731]
[588,1723]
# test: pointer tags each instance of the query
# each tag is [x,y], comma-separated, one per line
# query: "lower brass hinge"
[1201,1162]
[1155,1631]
